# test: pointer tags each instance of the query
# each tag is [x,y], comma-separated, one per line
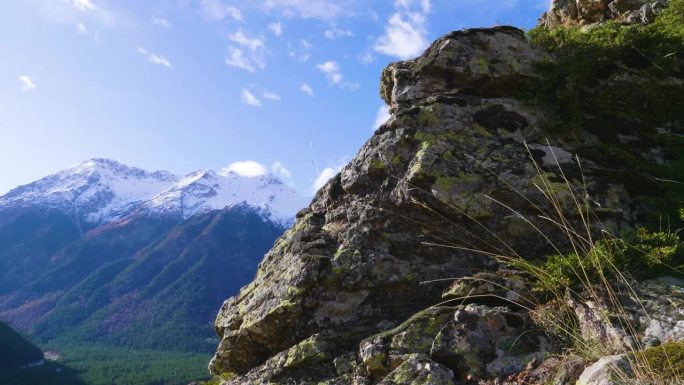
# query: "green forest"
[102,365]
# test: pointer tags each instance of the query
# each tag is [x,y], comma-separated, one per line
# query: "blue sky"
[283,86]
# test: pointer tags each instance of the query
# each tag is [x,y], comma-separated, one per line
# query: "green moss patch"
[665,361]
[586,55]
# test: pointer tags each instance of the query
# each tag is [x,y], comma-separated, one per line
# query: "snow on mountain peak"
[95,190]
[206,190]
[102,190]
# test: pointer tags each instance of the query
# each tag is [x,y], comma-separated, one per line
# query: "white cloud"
[332,71]
[27,84]
[335,33]
[236,58]
[73,12]
[405,33]
[85,31]
[154,58]
[304,57]
[83,5]
[161,22]
[305,88]
[252,54]
[374,15]
[280,170]
[81,28]
[217,10]
[312,9]
[271,95]
[305,44]
[249,99]
[276,28]
[302,52]
[381,117]
[253,43]
[325,175]
[247,168]
[367,58]
[408,4]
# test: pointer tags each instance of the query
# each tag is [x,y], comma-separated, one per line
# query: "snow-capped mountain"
[206,190]
[101,190]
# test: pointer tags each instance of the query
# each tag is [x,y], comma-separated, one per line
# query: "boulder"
[485,62]
[606,371]
[460,174]
[489,342]
[418,369]
[384,352]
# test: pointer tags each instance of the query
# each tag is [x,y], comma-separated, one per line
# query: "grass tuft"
[585,55]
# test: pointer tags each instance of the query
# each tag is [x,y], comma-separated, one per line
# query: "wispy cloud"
[85,31]
[81,28]
[161,22]
[302,53]
[72,12]
[249,99]
[332,71]
[305,88]
[83,5]
[279,169]
[271,95]
[336,33]
[154,58]
[381,117]
[217,10]
[237,58]
[253,43]
[405,33]
[249,54]
[27,84]
[312,9]
[305,44]
[367,57]
[276,28]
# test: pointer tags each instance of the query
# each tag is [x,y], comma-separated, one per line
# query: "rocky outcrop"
[585,12]
[461,173]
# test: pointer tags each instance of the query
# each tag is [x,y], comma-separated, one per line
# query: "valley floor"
[103,365]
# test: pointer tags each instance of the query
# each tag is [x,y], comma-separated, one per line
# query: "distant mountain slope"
[15,351]
[29,237]
[103,252]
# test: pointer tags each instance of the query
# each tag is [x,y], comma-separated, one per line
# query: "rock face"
[603,371]
[583,12]
[656,315]
[352,293]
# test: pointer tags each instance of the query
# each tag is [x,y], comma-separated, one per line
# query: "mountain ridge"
[100,191]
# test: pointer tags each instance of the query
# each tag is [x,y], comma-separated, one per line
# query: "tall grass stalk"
[588,253]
